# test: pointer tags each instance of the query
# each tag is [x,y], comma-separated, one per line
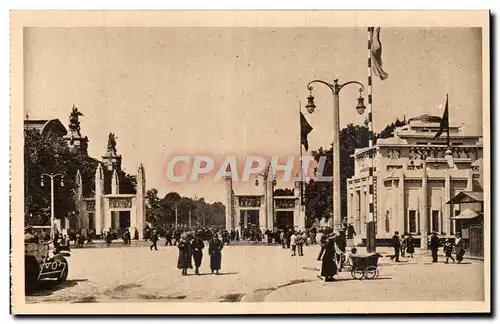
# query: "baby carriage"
[365,266]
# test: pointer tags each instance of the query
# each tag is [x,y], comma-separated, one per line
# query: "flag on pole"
[305,129]
[445,123]
[376,47]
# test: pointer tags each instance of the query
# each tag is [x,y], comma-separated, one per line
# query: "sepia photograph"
[250,162]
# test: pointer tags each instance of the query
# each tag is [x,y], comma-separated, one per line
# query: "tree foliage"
[50,154]
[161,212]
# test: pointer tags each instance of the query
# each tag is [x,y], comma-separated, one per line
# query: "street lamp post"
[52,176]
[336,222]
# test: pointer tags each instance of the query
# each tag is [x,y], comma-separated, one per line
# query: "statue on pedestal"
[112,143]
[74,123]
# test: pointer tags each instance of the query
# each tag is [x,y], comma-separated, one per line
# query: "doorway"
[284,219]
[249,218]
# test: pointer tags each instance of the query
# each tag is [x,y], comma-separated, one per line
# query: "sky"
[237,91]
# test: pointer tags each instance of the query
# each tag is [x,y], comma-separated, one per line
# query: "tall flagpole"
[300,158]
[370,225]
[448,128]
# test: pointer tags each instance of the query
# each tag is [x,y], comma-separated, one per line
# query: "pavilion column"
[237,213]
[357,211]
[262,212]
[99,191]
[425,207]
[229,202]
[364,207]
[270,202]
[446,207]
[394,218]
[401,210]
[350,215]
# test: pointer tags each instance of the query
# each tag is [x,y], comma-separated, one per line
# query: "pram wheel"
[358,273]
[371,272]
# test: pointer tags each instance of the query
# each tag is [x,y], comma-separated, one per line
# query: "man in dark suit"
[396,244]
[434,245]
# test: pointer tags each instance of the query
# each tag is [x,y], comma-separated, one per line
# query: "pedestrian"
[109,238]
[128,236]
[185,254]
[403,245]
[396,244]
[459,248]
[177,237]
[89,237]
[350,231]
[448,250]
[410,248]
[341,241]
[328,259]
[300,243]
[168,238]
[434,245]
[282,239]
[198,247]
[293,243]
[215,247]
[56,241]
[154,241]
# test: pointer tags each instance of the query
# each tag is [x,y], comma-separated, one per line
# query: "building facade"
[415,176]
[106,208]
[264,210]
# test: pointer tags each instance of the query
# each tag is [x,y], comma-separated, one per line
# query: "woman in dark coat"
[410,247]
[459,248]
[185,255]
[328,258]
[214,249]
[198,246]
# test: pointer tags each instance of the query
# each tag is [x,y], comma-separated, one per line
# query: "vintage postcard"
[239,162]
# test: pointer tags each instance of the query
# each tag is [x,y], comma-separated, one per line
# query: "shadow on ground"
[231,298]
[48,287]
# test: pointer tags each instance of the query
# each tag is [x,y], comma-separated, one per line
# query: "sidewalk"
[412,279]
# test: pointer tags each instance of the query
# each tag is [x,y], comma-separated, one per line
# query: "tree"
[128,183]
[152,204]
[162,211]
[47,154]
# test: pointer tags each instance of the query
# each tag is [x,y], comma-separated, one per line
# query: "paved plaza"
[253,273]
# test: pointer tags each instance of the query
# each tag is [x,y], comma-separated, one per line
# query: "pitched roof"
[467,197]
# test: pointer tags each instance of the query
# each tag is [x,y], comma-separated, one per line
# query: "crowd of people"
[191,244]
[406,245]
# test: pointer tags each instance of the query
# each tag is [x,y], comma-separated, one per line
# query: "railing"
[476,237]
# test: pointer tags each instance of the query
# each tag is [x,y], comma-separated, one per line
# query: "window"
[457,143]
[387,225]
[421,143]
[412,218]
[435,220]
